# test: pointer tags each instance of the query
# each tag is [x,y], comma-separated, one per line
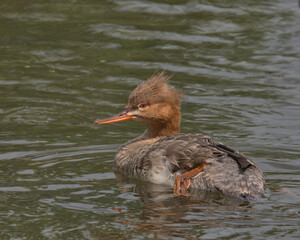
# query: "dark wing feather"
[240,158]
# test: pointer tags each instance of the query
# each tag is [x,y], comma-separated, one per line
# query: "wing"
[187,151]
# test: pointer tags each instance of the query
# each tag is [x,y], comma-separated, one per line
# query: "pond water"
[64,64]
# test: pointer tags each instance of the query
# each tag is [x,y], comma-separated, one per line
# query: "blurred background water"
[64,64]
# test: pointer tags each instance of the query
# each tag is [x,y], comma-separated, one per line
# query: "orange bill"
[118,118]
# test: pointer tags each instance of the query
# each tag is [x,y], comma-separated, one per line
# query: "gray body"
[162,160]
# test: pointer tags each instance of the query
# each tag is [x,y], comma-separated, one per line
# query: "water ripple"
[132,33]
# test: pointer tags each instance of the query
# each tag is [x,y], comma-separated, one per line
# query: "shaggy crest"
[154,90]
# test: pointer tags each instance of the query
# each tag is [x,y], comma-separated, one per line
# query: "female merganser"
[163,155]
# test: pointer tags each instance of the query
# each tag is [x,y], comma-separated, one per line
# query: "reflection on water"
[65,64]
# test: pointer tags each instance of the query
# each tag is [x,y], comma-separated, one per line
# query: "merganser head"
[154,103]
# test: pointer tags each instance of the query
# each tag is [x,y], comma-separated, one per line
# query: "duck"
[184,161]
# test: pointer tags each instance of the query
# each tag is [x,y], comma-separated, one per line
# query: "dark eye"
[143,105]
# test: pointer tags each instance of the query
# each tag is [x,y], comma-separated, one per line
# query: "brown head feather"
[154,90]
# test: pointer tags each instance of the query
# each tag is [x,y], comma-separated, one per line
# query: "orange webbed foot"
[183,181]
[181,185]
